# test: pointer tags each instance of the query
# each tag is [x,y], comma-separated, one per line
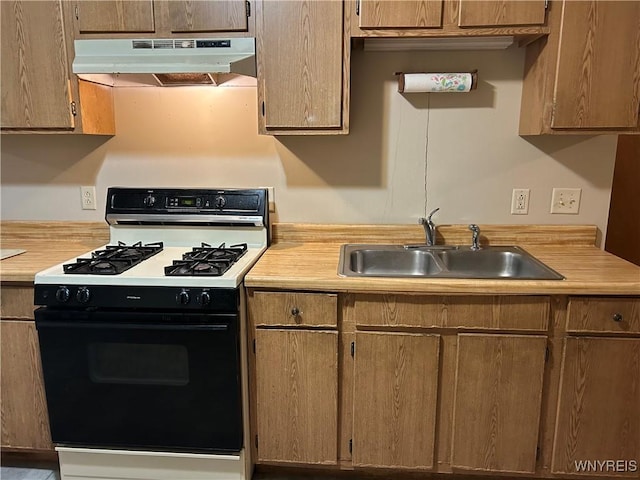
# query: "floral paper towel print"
[450,82]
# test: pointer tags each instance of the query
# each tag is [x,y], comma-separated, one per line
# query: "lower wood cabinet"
[599,408]
[498,395]
[25,422]
[394,400]
[297,396]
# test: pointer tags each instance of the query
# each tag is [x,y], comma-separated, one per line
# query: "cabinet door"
[116,16]
[35,73]
[297,396]
[599,409]
[598,68]
[212,16]
[394,398]
[400,14]
[498,395]
[474,13]
[300,64]
[25,422]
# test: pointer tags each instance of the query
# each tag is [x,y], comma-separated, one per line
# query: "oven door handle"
[133,326]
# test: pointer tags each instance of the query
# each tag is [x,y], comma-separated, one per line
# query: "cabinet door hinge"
[353,349]
[76,12]
[547,353]
[249,8]
[358,7]
[256,442]
[546,4]
[74,110]
[254,345]
[351,445]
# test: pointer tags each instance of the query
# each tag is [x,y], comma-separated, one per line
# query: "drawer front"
[16,302]
[604,315]
[482,313]
[294,309]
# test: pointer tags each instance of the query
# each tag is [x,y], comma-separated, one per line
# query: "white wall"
[203,136]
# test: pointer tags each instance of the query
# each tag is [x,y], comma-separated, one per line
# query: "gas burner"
[206,261]
[113,259]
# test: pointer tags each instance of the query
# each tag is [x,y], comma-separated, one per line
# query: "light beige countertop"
[301,260]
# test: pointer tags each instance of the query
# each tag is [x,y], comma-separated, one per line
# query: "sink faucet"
[429,228]
[475,236]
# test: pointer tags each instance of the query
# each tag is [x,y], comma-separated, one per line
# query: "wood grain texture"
[598,414]
[598,75]
[596,315]
[400,14]
[16,302]
[491,13]
[25,421]
[28,101]
[278,309]
[115,16]
[497,402]
[96,109]
[395,396]
[445,234]
[623,226]
[484,313]
[297,396]
[300,67]
[216,16]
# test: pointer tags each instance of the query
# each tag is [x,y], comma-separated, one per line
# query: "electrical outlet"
[566,200]
[88,198]
[520,201]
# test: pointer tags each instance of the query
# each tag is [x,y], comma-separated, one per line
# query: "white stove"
[143,341]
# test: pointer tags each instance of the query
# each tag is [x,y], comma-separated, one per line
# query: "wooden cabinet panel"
[216,16]
[16,302]
[25,422]
[115,16]
[395,397]
[598,412]
[400,14]
[288,309]
[474,13]
[300,64]
[497,405]
[601,314]
[35,78]
[491,312]
[598,70]
[297,396]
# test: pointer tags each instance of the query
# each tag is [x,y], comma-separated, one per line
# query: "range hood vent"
[165,56]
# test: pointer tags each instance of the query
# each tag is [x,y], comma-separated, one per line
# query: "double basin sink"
[414,261]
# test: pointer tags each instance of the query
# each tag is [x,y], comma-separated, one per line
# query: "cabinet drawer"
[294,309]
[482,313]
[17,302]
[604,314]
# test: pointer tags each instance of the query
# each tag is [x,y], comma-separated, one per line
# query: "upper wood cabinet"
[585,78]
[39,92]
[158,18]
[446,18]
[489,13]
[302,68]
[498,396]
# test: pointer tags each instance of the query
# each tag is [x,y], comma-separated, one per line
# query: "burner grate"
[113,259]
[206,261]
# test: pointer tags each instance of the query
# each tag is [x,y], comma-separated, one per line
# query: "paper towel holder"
[401,79]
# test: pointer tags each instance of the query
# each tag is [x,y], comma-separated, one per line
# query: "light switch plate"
[566,200]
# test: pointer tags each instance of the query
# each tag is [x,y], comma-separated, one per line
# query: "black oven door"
[155,381]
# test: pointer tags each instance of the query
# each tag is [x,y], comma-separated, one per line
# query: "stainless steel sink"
[442,262]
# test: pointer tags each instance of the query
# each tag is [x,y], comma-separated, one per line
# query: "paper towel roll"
[437,82]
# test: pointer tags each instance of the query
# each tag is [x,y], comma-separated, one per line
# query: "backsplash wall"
[406,154]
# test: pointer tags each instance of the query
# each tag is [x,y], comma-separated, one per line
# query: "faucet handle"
[431,214]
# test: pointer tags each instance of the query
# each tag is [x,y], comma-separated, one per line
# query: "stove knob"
[183,298]
[220,202]
[83,295]
[204,299]
[63,294]
[149,201]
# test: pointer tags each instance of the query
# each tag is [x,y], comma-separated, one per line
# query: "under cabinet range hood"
[189,61]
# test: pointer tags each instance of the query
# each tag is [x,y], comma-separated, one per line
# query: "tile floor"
[25,473]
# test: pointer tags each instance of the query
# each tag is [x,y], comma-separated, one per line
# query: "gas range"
[176,245]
